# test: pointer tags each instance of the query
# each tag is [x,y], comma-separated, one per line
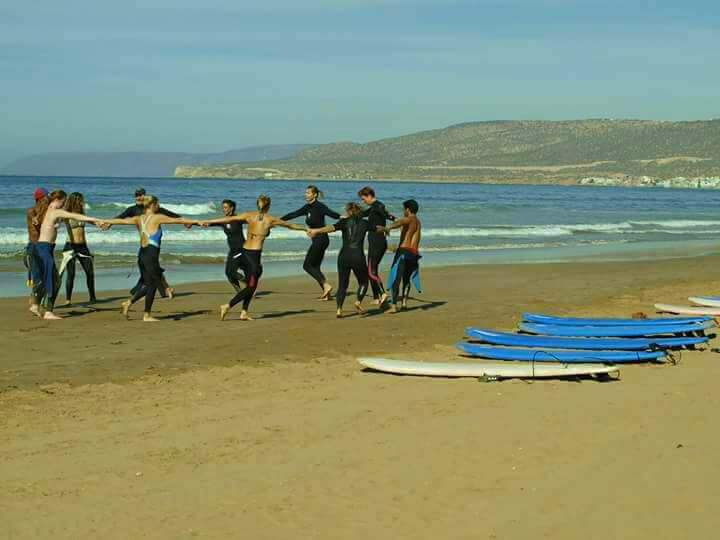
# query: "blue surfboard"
[566,356]
[612,331]
[538,318]
[584,343]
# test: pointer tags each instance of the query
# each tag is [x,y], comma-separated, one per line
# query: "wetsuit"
[405,268]
[352,257]
[377,215]
[33,237]
[46,278]
[138,210]
[252,263]
[235,263]
[81,253]
[315,219]
[149,262]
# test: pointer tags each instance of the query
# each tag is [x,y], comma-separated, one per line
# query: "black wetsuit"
[352,257]
[81,253]
[315,219]
[150,276]
[138,210]
[377,216]
[234,263]
[252,264]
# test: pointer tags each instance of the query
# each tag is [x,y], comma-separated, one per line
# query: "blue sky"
[208,76]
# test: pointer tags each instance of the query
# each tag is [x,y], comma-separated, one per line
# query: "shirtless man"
[406,265]
[33,227]
[259,225]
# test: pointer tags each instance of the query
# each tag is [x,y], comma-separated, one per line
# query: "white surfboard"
[708,301]
[688,310]
[500,370]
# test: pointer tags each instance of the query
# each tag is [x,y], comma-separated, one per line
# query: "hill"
[507,151]
[139,164]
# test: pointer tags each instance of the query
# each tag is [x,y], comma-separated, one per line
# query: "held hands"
[311,233]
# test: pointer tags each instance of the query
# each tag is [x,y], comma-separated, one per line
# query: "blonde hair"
[263,204]
[149,200]
[353,209]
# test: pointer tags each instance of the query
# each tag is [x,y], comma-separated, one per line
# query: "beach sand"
[269,429]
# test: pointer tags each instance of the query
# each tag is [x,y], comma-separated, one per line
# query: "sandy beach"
[269,429]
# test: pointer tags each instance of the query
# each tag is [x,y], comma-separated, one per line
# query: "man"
[377,216]
[33,228]
[137,210]
[406,265]
[235,239]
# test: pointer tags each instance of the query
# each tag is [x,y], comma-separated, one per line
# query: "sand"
[268,429]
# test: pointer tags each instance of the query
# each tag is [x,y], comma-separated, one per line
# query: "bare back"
[411,233]
[258,228]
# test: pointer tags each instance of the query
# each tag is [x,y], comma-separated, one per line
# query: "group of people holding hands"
[243,267]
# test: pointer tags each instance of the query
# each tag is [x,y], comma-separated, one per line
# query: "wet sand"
[268,429]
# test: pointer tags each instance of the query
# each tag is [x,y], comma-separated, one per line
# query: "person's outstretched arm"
[396,225]
[331,213]
[64,214]
[279,222]
[166,220]
[225,219]
[296,214]
[322,230]
[120,221]
[168,213]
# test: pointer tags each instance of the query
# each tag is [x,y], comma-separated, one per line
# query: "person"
[406,265]
[149,225]
[76,249]
[235,240]
[49,215]
[377,216]
[315,212]
[33,228]
[138,209]
[259,224]
[352,254]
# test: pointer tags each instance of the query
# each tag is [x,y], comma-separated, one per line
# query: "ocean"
[463,224]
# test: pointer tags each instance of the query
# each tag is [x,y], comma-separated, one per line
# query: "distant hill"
[139,164]
[507,151]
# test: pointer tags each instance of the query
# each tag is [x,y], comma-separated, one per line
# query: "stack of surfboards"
[561,346]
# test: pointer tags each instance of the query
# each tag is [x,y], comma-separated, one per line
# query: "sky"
[211,75]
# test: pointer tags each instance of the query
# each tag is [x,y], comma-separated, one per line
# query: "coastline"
[267,427]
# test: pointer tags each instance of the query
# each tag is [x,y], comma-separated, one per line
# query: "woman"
[315,212]
[352,254]
[49,215]
[76,249]
[259,224]
[235,240]
[149,225]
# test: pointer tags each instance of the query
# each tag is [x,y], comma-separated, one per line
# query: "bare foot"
[245,317]
[327,289]
[125,308]
[393,309]
[66,304]
[404,305]
[383,299]
[376,302]
[171,293]
[224,309]
[339,314]
[50,316]
[149,318]
[35,310]
[359,308]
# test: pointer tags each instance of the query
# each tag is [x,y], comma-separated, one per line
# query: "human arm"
[120,221]
[330,213]
[279,222]
[223,220]
[396,225]
[164,219]
[64,214]
[168,213]
[312,233]
[296,214]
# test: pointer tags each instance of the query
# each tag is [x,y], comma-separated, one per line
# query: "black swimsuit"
[352,257]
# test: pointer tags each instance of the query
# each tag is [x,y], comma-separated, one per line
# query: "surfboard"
[538,318]
[485,369]
[709,301]
[564,356]
[612,331]
[584,343]
[684,310]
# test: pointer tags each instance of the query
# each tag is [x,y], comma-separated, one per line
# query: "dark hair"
[319,194]
[75,203]
[139,192]
[367,191]
[263,204]
[353,209]
[230,203]
[412,205]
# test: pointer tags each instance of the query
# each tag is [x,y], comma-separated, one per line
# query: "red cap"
[40,193]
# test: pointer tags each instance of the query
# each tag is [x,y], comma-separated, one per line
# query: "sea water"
[462,223]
